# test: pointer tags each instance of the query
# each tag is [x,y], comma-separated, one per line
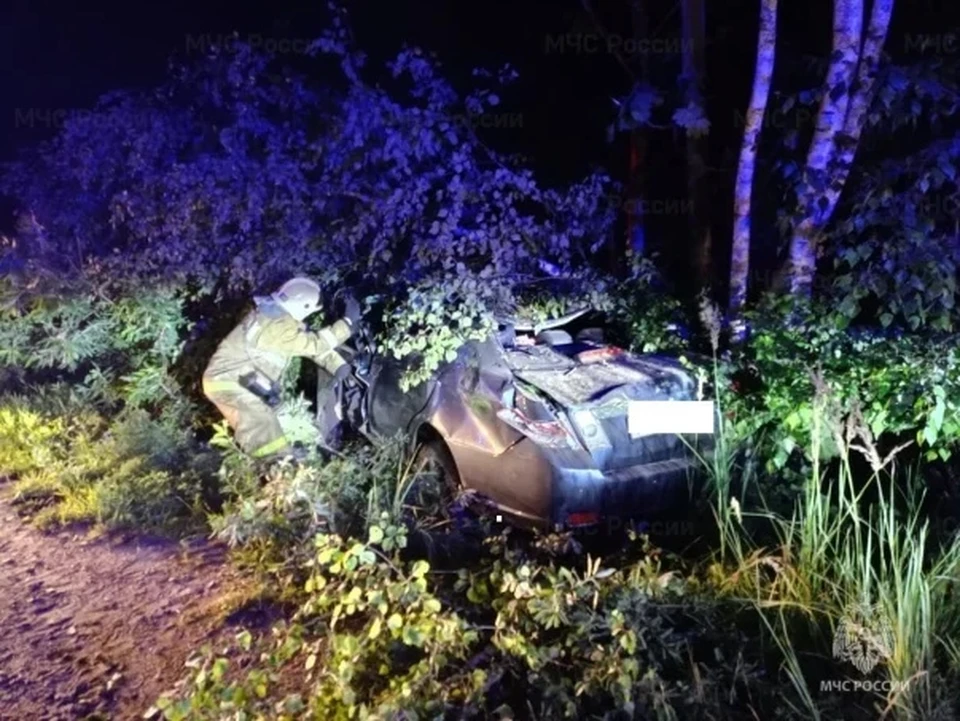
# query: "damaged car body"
[552,429]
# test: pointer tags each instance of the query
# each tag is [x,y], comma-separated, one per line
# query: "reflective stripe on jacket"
[267,339]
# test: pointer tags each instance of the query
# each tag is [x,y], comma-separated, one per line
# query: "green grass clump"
[75,465]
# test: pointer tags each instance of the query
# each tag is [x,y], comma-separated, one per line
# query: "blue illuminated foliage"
[240,172]
[892,247]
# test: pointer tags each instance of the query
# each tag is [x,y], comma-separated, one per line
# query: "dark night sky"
[62,54]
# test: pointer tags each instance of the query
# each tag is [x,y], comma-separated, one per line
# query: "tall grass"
[853,562]
[867,574]
[721,463]
[391,490]
[723,470]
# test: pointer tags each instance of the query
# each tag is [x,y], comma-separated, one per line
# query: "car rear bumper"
[622,497]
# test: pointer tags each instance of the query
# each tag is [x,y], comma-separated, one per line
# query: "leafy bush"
[372,672]
[39,427]
[29,439]
[237,173]
[118,343]
[895,255]
[378,637]
[133,471]
[903,385]
[653,320]
[284,506]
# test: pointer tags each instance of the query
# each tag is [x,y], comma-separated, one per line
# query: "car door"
[391,411]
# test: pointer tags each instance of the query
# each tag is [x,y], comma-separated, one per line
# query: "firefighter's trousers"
[255,426]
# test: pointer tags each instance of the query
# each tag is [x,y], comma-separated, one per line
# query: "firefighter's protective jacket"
[268,338]
[263,344]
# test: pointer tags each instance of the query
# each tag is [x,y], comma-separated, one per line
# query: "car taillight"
[554,429]
[598,355]
[548,433]
[583,519]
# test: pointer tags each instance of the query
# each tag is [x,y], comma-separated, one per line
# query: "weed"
[133,472]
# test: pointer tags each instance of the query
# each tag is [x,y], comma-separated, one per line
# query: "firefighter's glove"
[351,310]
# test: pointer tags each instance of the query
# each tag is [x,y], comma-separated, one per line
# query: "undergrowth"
[379,637]
[844,584]
[72,463]
[853,591]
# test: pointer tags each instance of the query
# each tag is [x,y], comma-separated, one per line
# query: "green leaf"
[294,704]
[412,636]
[793,420]
[878,424]
[936,418]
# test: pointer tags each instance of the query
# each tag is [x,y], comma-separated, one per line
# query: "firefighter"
[242,378]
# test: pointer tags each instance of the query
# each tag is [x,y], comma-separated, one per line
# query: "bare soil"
[98,628]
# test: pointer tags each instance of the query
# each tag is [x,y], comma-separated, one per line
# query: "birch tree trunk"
[693,71]
[861,98]
[831,116]
[762,77]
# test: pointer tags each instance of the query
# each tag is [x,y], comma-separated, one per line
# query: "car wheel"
[442,527]
[431,499]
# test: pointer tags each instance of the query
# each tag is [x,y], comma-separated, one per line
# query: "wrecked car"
[546,423]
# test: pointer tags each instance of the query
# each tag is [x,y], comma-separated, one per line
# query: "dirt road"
[97,629]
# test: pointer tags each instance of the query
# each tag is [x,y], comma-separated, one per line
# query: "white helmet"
[300,297]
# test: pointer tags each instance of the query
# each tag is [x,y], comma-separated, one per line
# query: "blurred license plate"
[645,418]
